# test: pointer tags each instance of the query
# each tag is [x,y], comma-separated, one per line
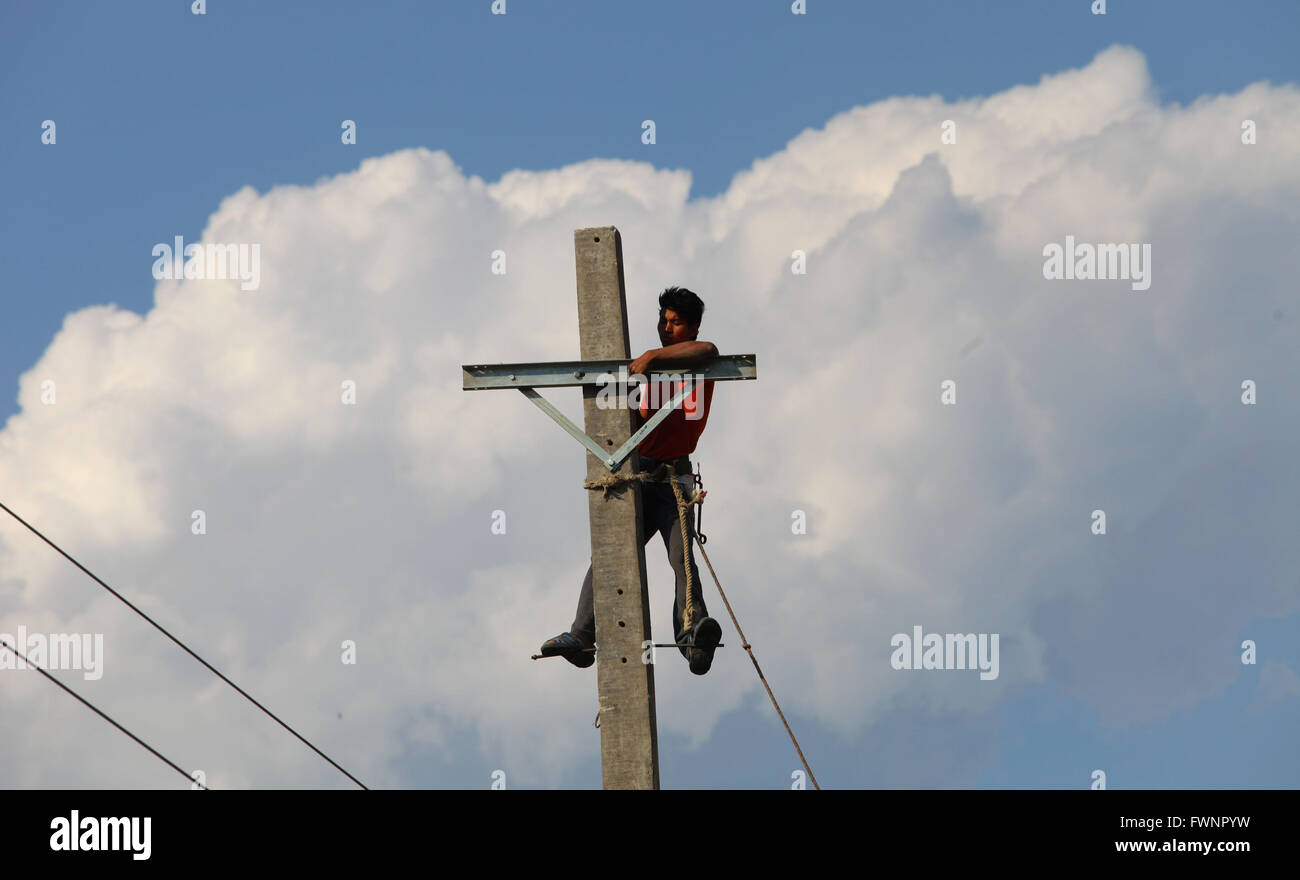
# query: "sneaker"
[704,640]
[566,646]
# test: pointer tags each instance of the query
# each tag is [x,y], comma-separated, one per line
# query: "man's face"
[673,329]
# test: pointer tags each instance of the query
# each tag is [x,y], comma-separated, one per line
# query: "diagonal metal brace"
[527,377]
[611,461]
[653,422]
[563,421]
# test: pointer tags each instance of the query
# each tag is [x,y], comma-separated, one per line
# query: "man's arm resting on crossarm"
[688,353]
[682,354]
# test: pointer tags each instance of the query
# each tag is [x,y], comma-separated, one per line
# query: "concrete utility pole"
[629,741]
[629,738]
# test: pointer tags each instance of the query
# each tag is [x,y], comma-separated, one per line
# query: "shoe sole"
[549,650]
[706,639]
[578,657]
[581,659]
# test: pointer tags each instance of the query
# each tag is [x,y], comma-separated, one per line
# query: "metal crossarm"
[563,374]
[527,377]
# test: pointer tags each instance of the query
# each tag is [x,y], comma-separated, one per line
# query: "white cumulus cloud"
[371,522]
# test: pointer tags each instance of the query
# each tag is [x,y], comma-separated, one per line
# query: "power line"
[185,647]
[159,755]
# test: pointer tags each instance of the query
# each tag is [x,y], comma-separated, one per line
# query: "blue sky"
[162,114]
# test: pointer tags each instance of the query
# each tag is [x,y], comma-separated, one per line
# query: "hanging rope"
[744,643]
[609,482]
[688,618]
[697,497]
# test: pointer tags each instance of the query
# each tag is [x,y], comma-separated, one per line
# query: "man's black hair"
[682,301]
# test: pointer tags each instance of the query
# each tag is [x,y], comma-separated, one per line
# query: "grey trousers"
[659,515]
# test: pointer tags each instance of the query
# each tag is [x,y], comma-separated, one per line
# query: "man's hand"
[642,364]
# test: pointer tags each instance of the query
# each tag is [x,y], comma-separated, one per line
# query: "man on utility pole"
[614,610]
[665,452]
